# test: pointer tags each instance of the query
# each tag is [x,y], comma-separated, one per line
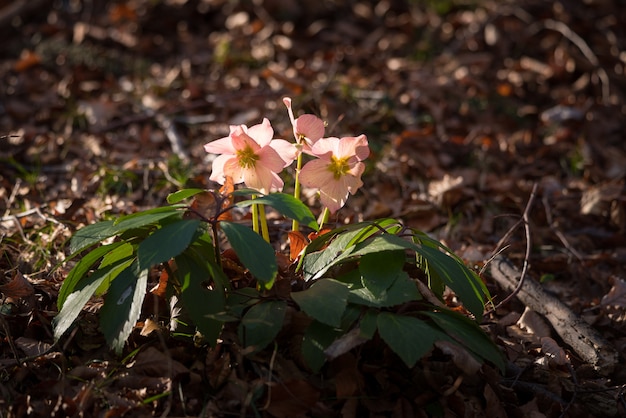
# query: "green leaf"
[261,324]
[81,268]
[325,301]
[458,277]
[121,252]
[447,268]
[245,191]
[139,219]
[203,253]
[122,306]
[384,242]
[288,206]
[348,245]
[242,299]
[76,301]
[368,323]
[475,289]
[379,270]
[202,304]
[255,253]
[410,338]
[124,252]
[441,267]
[401,291]
[357,231]
[94,233]
[469,334]
[183,194]
[91,234]
[166,243]
[315,265]
[317,338]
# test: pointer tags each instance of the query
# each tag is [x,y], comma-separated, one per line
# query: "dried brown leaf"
[597,200]
[292,398]
[554,352]
[149,326]
[533,323]
[32,347]
[19,287]
[447,191]
[345,343]
[297,243]
[616,297]
[152,362]
[348,377]
[28,59]
[493,407]
[460,356]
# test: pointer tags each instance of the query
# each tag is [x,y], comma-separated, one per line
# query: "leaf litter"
[466,109]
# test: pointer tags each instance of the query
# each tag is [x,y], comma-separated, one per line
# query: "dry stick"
[167,125]
[557,232]
[526,222]
[580,43]
[572,329]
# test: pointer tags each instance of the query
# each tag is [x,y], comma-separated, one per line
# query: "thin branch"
[580,43]
[557,232]
[525,220]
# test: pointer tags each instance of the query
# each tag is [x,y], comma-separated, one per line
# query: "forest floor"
[468,107]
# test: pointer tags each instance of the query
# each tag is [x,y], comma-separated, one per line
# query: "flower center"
[338,166]
[247,158]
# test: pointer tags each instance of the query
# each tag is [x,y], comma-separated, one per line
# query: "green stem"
[259,218]
[216,244]
[255,216]
[296,189]
[263,219]
[324,217]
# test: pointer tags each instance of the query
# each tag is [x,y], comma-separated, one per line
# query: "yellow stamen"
[247,158]
[338,166]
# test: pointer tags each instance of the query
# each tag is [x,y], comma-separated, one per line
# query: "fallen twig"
[525,221]
[574,331]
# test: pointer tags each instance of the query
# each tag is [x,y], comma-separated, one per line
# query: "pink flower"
[337,171]
[251,156]
[307,129]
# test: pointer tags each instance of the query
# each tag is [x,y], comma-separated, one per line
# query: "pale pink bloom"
[337,171]
[251,156]
[307,129]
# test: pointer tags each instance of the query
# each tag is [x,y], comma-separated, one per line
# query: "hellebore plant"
[251,156]
[307,129]
[352,282]
[337,171]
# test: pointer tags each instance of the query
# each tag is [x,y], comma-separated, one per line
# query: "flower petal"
[233,169]
[262,133]
[270,159]
[334,195]
[351,183]
[220,146]
[311,127]
[241,140]
[262,179]
[287,102]
[325,147]
[353,146]
[286,150]
[357,170]
[316,174]
[217,168]
[362,149]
